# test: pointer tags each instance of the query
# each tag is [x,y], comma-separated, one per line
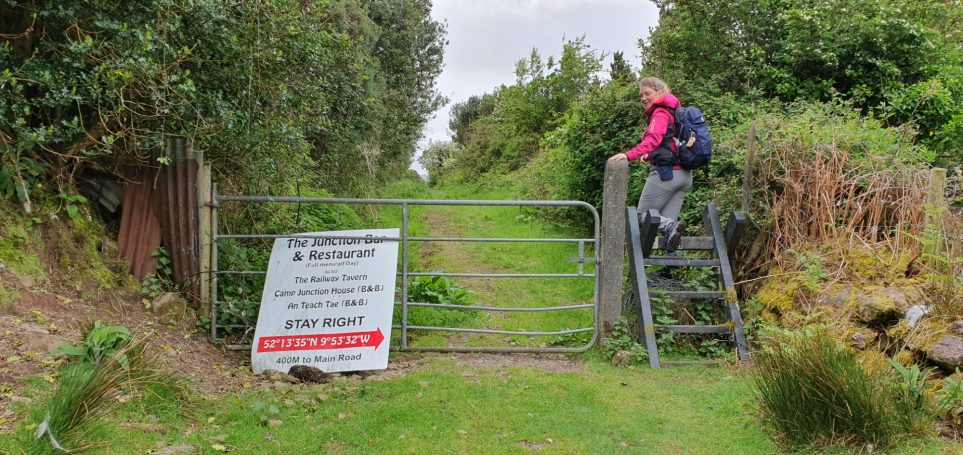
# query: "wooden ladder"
[641,239]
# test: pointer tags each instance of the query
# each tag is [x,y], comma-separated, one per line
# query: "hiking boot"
[665,273]
[673,236]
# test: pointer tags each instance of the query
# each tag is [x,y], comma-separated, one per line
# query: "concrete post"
[612,248]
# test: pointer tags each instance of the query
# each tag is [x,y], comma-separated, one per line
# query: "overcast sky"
[487,37]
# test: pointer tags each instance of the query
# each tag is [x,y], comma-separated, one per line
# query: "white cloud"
[487,37]
[533,8]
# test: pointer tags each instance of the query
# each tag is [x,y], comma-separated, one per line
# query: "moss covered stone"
[947,352]
[778,295]
[76,250]
[835,297]
[879,306]
[905,357]
[20,242]
[920,338]
[878,265]
[860,337]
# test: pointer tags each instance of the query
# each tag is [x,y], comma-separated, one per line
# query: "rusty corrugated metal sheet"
[160,206]
[140,231]
[176,210]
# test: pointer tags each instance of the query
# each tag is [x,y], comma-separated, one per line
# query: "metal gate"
[583,244]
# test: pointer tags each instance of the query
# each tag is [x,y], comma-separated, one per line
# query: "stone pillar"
[612,248]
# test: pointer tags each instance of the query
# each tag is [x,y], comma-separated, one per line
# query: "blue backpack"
[695,142]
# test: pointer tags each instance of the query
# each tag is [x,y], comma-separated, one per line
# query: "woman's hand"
[618,157]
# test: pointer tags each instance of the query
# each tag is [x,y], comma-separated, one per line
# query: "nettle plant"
[666,311]
[623,340]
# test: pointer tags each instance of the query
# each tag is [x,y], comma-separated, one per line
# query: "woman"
[668,183]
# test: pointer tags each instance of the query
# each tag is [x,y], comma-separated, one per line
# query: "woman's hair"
[654,83]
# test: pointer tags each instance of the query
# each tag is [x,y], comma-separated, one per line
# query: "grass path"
[504,257]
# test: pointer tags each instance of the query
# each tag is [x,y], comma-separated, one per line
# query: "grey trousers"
[665,196]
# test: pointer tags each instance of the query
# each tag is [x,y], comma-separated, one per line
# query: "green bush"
[815,393]
[606,121]
[322,217]
[241,294]
[898,57]
[502,131]
[437,157]
[495,146]
[332,94]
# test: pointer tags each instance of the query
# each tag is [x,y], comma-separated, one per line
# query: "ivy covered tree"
[274,92]
[408,50]
[464,113]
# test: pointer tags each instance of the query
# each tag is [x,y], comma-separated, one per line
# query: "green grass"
[7,296]
[448,407]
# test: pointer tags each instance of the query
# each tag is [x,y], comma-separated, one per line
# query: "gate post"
[204,234]
[612,248]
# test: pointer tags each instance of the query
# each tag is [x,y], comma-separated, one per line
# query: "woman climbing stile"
[668,183]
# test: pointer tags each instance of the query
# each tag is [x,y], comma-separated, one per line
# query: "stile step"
[689,243]
[696,328]
[688,295]
[685,363]
[680,262]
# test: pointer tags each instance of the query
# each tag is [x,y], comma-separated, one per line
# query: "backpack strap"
[670,133]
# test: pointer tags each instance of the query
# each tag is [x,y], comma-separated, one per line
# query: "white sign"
[327,303]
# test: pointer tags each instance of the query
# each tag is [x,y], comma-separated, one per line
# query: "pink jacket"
[658,124]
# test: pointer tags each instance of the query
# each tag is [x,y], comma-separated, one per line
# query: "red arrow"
[321,341]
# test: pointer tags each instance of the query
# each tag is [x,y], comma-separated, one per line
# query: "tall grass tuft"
[89,390]
[814,393]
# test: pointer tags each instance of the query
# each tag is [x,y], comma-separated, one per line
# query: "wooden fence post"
[204,232]
[612,248]
[747,172]
[935,206]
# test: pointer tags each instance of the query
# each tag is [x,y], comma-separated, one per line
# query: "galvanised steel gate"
[583,244]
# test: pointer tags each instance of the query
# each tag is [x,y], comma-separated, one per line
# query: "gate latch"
[581,259]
